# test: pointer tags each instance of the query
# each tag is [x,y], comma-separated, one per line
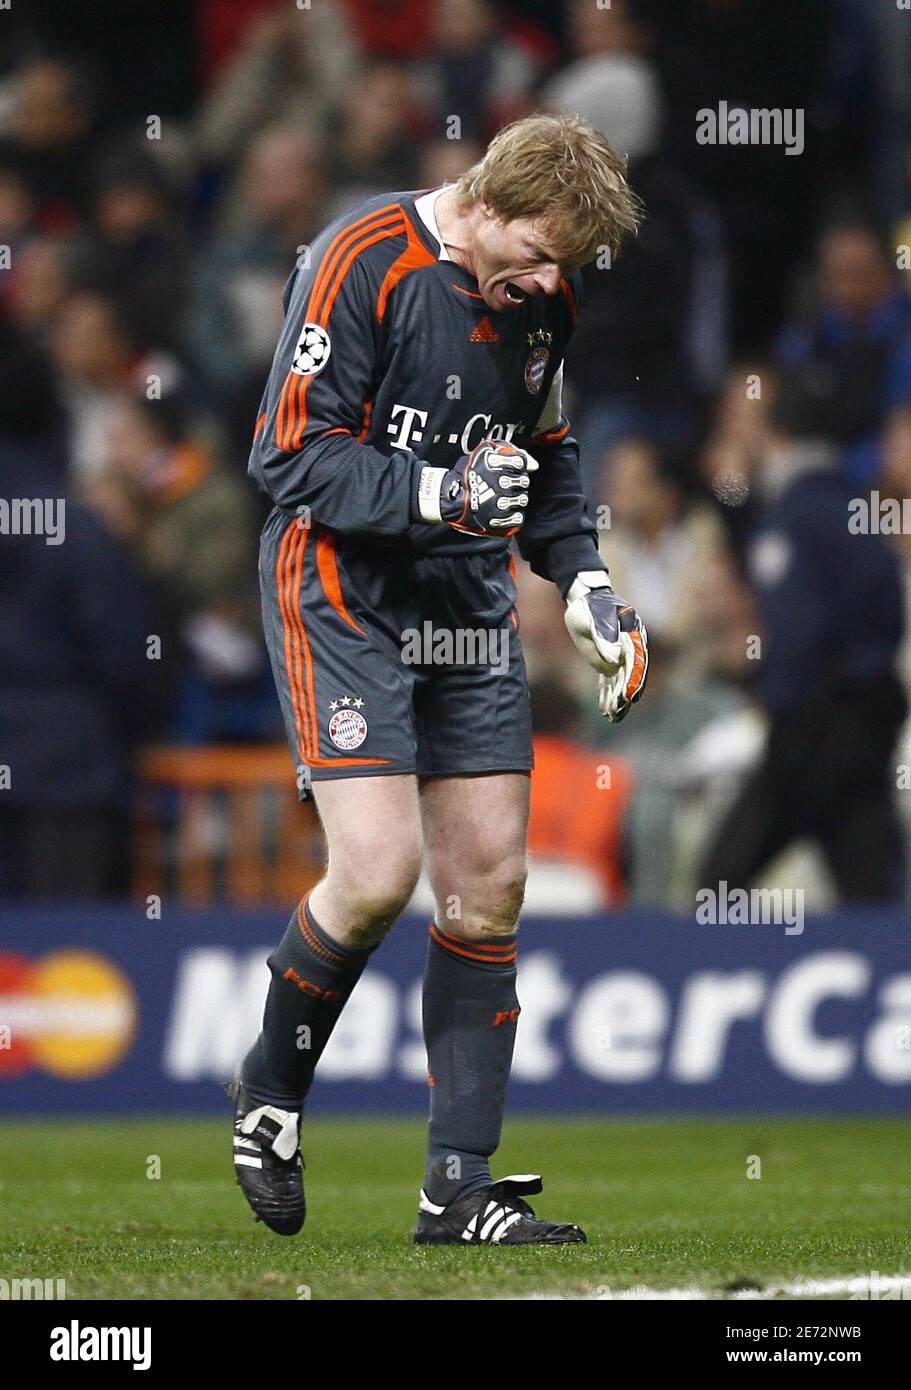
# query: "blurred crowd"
[740,375]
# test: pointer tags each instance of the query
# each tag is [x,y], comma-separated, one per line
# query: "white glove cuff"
[430,485]
[587,580]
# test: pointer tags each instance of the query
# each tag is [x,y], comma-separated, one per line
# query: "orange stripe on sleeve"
[298,421]
[294,387]
[343,251]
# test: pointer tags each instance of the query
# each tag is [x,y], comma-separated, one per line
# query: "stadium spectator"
[18,226]
[132,243]
[78,690]
[39,280]
[474,68]
[98,357]
[188,523]
[293,67]
[832,608]
[445,161]
[400,27]
[371,134]
[235,309]
[650,339]
[742,56]
[620,27]
[857,338]
[48,134]
[659,542]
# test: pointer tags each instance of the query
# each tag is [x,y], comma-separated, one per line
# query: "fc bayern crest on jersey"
[535,368]
[312,351]
[347,729]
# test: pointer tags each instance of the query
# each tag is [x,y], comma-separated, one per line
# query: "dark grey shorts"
[385,665]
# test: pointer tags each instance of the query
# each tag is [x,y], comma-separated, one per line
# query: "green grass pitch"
[666,1203]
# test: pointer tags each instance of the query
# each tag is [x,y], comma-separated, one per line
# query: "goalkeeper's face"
[515,260]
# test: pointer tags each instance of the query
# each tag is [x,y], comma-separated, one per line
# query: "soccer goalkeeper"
[411,427]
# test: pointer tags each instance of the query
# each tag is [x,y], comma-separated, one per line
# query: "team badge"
[312,351]
[347,726]
[535,368]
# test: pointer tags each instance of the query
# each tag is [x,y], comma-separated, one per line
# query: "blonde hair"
[562,170]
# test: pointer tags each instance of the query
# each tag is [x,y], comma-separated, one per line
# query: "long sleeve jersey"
[390,360]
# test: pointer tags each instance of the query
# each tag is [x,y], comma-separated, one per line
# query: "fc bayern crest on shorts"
[347,726]
[312,351]
[535,368]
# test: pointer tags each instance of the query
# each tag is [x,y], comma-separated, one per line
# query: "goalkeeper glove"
[612,638]
[484,494]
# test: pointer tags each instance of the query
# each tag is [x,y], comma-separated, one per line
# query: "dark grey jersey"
[390,360]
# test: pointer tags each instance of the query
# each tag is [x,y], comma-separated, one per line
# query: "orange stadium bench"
[223,824]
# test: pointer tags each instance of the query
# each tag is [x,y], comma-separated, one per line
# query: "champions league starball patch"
[312,351]
[535,368]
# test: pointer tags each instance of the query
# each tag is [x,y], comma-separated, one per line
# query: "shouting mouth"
[513,293]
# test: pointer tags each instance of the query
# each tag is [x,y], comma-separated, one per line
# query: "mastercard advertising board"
[69,1013]
[104,1011]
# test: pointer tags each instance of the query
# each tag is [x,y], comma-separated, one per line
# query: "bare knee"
[486,899]
[366,891]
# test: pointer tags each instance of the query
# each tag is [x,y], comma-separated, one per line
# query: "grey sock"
[470,1015]
[312,978]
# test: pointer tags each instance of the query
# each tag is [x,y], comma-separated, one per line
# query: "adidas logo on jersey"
[484,332]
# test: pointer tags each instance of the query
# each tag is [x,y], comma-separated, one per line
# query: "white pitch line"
[862,1286]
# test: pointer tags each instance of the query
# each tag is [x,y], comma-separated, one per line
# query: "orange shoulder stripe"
[413,257]
[292,401]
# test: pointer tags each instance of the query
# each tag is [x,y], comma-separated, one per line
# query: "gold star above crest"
[346,700]
[333,704]
[358,703]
